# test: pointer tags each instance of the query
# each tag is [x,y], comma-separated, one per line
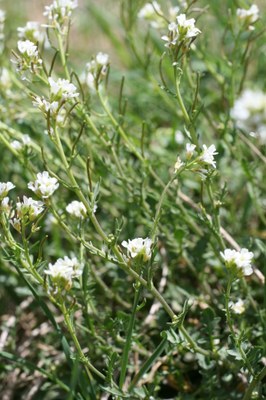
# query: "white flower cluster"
[29,208]
[153,14]
[240,259]
[249,16]
[206,157]
[26,210]
[19,145]
[238,307]
[150,12]
[63,271]
[29,56]
[31,31]
[5,187]
[181,32]
[60,11]
[249,112]
[96,70]
[60,91]
[77,209]
[138,247]
[45,185]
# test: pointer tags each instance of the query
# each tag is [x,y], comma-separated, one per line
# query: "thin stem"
[62,54]
[255,381]
[125,355]
[148,363]
[88,366]
[184,111]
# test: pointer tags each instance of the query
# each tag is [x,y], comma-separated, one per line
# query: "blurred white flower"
[28,47]
[64,269]
[238,307]
[102,58]
[5,79]
[190,150]
[29,208]
[45,106]
[77,209]
[248,16]
[241,259]
[44,185]
[179,137]
[150,12]
[208,154]
[15,144]
[138,247]
[96,70]
[249,112]
[62,89]
[4,205]
[178,164]
[60,9]
[5,187]
[31,31]
[25,141]
[2,16]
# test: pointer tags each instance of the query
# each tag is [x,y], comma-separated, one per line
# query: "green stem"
[125,355]
[255,381]
[88,366]
[148,363]
[62,54]
[237,341]
[184,111]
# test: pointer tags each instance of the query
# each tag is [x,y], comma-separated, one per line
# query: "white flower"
[150,12]
[241,259]
[62,88]
[16,223]
[249,112]
[138,247]
[238,307]
[173,12]
[5,205]
[60,9]
[248,16]
[190,150]
[186,27]
[64,269]
[31,31]
[46,106]
[5,79]
[77,209]
[179,137]
[96,69]
[102,58]
[181,31]
[207,155]
[25,141]
[229,255]
[178,164]
[29,207]
[5,187]
[15,144]
[44,185]
[28,48]
[2,16]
